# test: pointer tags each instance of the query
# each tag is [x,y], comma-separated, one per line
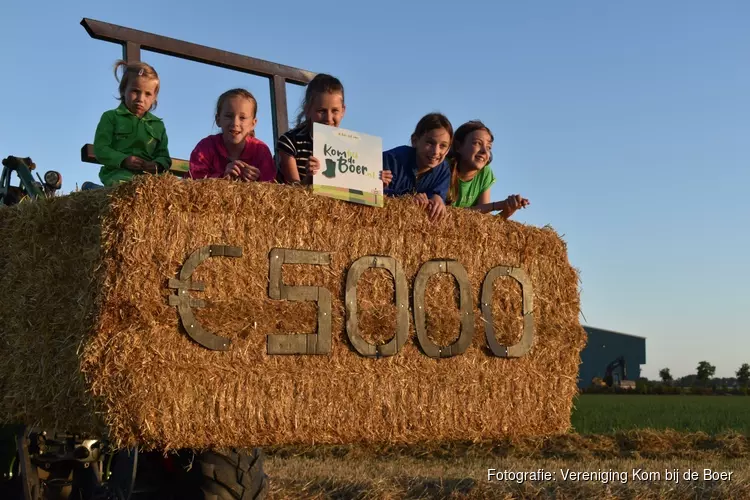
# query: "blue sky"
[627,124]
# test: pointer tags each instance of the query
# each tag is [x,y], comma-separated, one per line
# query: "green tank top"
[468,192]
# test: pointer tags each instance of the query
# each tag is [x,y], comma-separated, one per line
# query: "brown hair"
[431,122]
[236,93]
[320,84]
[454,158]
[134,70]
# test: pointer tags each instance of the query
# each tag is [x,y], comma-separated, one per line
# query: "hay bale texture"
[90,342]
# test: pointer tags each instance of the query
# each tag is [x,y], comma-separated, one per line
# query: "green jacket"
[121,134]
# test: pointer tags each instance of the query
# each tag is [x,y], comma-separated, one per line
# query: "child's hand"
[513,203]
[516,201]
[421,200]
[133,163]
[150,167]
[233,170]
[386,176]
[249,172]
[313,166]
[436,208]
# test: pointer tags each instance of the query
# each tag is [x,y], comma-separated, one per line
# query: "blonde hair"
[236,93]
[134,70]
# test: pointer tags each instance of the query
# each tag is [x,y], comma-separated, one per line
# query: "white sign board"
[350,165]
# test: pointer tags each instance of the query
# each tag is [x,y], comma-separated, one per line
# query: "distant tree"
[743,374]
[705,371]
[665,375]
[687,380]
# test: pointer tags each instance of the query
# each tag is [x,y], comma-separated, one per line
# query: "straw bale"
[153,385]
[50,280]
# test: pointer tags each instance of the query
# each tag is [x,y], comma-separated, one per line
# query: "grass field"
[709,432]
[606,413]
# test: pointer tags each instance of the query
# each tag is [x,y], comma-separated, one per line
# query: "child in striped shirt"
[324,103]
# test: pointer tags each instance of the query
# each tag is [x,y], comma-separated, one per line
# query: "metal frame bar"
[27,471]
[133,41]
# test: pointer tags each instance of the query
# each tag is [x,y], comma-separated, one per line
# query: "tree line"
[704,377]
[701,382]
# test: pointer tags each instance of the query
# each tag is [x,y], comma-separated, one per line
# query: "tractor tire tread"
[233,475]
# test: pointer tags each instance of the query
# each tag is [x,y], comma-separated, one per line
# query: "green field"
[606,413]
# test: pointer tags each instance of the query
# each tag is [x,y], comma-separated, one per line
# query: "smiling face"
[432,146]
[327,108]
[236,119]
[475,150]
[140,94]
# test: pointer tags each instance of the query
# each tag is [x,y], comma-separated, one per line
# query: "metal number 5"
[319,343]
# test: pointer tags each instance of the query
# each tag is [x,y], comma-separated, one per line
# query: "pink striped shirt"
[210,158]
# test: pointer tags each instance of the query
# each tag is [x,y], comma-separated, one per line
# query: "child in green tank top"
[471,175]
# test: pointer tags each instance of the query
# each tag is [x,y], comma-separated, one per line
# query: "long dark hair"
[454,158]
[431,122]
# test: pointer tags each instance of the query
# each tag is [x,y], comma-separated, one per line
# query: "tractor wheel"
[235,475]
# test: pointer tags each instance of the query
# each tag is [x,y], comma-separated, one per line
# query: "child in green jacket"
[130,140]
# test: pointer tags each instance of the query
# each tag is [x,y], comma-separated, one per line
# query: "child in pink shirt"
[235,153]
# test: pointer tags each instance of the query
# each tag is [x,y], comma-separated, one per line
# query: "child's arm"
[389,163]
[484,198]
[103,150]
[506,207]
[288,167]
[483,204]
[161,153]
[266,165]
[437,194]
[287,162]
[261,167]
[201,162]
[386,176]
[313,167]
[440,185]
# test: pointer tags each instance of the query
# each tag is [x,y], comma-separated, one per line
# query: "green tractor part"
[27,187]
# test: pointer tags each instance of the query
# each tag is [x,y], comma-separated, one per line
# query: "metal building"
[622,353]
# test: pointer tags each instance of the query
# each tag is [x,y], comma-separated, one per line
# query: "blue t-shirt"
[402,161]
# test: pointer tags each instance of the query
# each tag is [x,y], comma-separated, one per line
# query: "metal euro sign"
[185,302]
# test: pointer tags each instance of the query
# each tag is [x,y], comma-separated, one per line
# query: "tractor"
[27,188]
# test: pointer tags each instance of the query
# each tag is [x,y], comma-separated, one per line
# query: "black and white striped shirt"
[298,144]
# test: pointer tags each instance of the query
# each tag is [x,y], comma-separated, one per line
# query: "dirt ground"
[628,465]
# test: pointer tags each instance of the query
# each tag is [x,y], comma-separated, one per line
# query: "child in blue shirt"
[420,170]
